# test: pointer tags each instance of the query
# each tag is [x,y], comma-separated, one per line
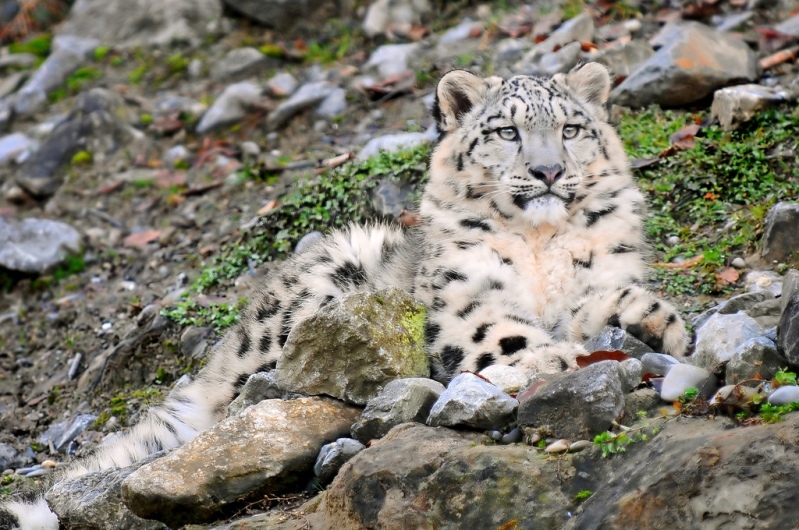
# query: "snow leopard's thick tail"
[359,259]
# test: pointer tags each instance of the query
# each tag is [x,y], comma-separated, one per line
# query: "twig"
[696,260]
[779,57]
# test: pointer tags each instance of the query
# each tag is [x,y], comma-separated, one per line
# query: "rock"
[36,245]
[231,107]
[176,154]
[721,336]
[354,346]
[684,376]
[686,477]
[141,22]
[392,59]
[630,374]
[260,386]
[282,85]
[282,14]
[61,434]
[507,378]
[741,302]
[307,241]
[240,62]
[784,395]
[551,63]
[781,238]
[462,31]
[789,26]
[194,342]
[643,399]
[790,287]
[657,363]
[788,330]
[739,263]
[96,124]
[507,50]
[9,457]
[696,61]
[766,313]
[394,142]
[756,358]
[52,73]
[307,96]
[94,502]
[470,401]
[382,13]
[267,449]
[390,198]
[333,456]
[18,60]
[612,338]
[624,57]
[577,404]
[769,281]
[13,145]
[424,477]
[10,82]
[333,105]
[736,105]
[401,401]
[579,28]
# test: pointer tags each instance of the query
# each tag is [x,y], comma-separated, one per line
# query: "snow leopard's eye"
[570,131]
[508,133]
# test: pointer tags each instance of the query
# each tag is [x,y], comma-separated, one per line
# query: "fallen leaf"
[729,275]
[140,239]
[601,355]
[268,207]
[684,138]
[640,163]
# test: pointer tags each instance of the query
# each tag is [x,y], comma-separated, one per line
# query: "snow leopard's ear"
[457,93]
[590,82]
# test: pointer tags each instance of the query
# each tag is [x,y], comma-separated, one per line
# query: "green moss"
[100,53]
[414,322]
[82,158]
[38,45]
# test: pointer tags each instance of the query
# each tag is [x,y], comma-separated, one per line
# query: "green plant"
[217,316]
[100,53]
[611,443]
[38,45]
[82,158]
[785,378]
[583,495]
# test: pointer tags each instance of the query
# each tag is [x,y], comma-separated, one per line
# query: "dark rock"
[657,363]
[401,401]
[354,346]
[194,341]
[644,399]
[281,14]
[788,330]
[424,477]
[755,359]
[781,238]
[9,457]
[390,198]
[578,404]
[36,245]
[612,338]
[260,386]
[696,61]
[333,456]
[60,434]
[470,401]
[766,313]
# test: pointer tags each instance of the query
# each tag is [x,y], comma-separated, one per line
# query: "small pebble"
[684,376]
[534,438]
[673,241]
[495,435]
[560,446]
[739,263]
[7,472]
[514,436]
[580,445]
[784,395]
[49,463]
[39,472]
[25,470]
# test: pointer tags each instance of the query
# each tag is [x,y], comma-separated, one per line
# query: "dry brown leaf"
[729,275]
[140,239]
[601,355]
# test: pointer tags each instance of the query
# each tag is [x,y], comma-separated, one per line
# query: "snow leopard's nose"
[547,174]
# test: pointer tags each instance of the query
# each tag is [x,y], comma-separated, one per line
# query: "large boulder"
[781,238]
[354,346]
[269,448]
[36,245]
[721,335]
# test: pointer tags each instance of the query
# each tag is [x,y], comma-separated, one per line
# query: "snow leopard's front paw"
[651,320]
[558,357]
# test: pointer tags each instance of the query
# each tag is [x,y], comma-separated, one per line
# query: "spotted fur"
[530,241]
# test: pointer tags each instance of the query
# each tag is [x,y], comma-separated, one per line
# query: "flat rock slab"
[695,61]
[738,104]
[425,477]
[268,448]
[354,346]
[36,245]
[471,401]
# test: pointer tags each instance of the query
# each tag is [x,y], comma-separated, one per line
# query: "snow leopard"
[530,239]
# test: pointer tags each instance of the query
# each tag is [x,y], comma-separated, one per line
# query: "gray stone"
[788,330]
[630,374]
[10,82]
[657,363]
[579,29]
[241,62]
[9,457]
[390,197]
[333,456]
[260,386]
[577,404]
[756,358]
[721,335]
[624,57]
[696,61]
[194,342]
[470,401]
[460,32]
[741,302]
[789,26]
[231,107]
[507,50]
[644,399]
[790,287]
[736,105]
[282,85]
[769,281]
[354,346]
[551,63]
[307,241]
[392,59]
[424,477]
[333,105]
[507,378]
[265,450]
[402,401]
[766,313]
[18,60]
[739,263]
[282,14]
[94,502]
[784,395]
[13,145]
[612,338]
[393,142]
[382,13]
[36,245]
[141,22]
[309,95]
[684,376]
[781,238]
[61,434]
[97,123]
